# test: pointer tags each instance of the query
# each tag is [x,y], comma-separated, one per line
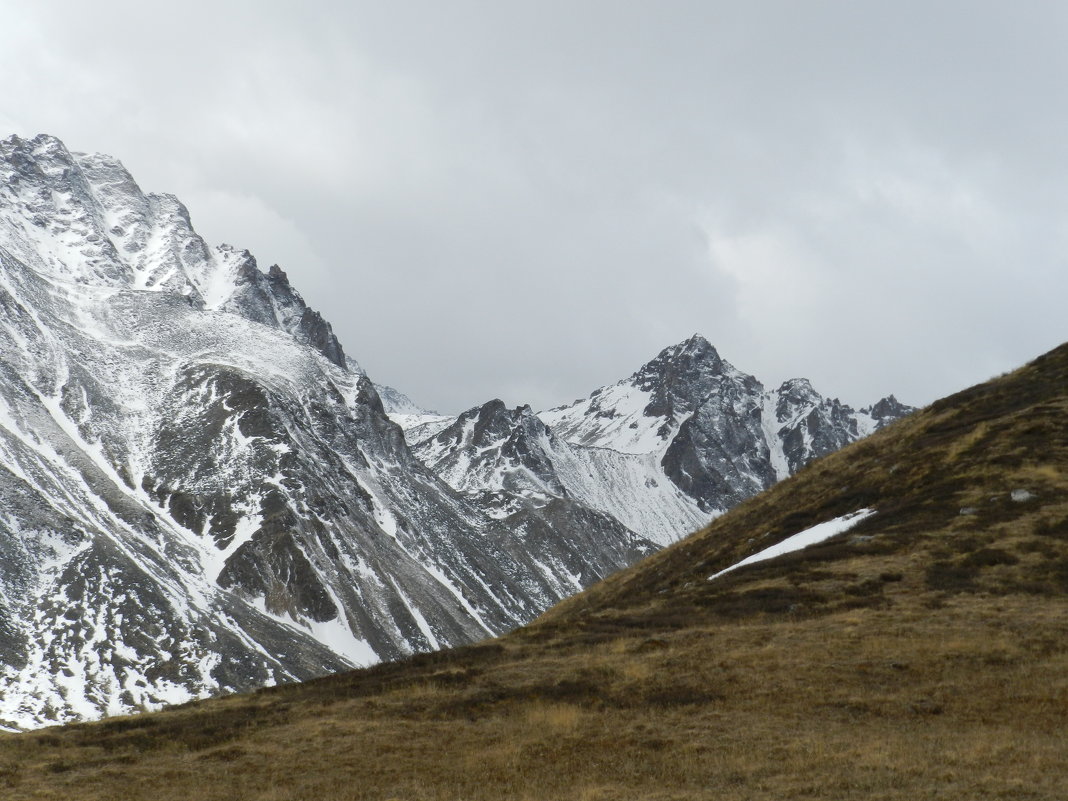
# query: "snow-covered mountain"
[684,438]
[199,491]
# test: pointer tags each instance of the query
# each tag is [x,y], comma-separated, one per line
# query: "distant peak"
[41,141]
[496,414]
[693,357]
[12,142]
[889,408]
[276,273]
[44,156]
[47,140]
[796,385]
[696,347]
[482,425]
[50,147]
[494,406]
[394,401]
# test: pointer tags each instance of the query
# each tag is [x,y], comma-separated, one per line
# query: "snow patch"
[769,423]
[810,536]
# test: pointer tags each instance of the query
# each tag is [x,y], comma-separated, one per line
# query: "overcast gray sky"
[528,200]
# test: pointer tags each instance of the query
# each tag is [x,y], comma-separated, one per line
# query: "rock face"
[683,439]
[199,491]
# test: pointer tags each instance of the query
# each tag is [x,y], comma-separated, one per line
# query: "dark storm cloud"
[528,200]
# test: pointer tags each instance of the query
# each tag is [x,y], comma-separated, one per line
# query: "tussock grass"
[865,703]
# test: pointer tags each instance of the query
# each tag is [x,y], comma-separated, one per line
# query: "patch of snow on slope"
[335,634]
[444,581]
[810,536]
[218,285]
[396,402]
[866,424]
[420,427]
[630,487]
[771,426]
[611,418]
[417,616]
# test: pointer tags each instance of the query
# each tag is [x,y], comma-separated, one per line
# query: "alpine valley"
[201,493]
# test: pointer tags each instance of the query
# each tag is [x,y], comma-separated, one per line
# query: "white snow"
[810,536]
[336,635]
[866,424]
[417,616]
[612,418]
[444,581]
[771,426]
[632,488]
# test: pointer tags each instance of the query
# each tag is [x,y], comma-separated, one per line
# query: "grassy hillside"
[922,654]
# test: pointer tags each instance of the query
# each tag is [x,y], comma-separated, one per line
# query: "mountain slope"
[920,653]
[199,491]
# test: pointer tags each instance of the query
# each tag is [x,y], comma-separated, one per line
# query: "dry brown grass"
[898,703]
[922,655]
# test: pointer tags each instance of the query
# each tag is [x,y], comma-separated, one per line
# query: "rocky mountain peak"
[491,421]
[104,231]
[793,395]
[42,155]
[493,443]
[680,365]
[681,377]
[490,424]
[797,387]
[277,275]
[887,410]
[711,430]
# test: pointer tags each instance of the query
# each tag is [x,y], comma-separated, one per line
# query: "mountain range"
[887,623]
[202,493]
[683,439]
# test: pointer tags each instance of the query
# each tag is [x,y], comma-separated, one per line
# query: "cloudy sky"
[527,200]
